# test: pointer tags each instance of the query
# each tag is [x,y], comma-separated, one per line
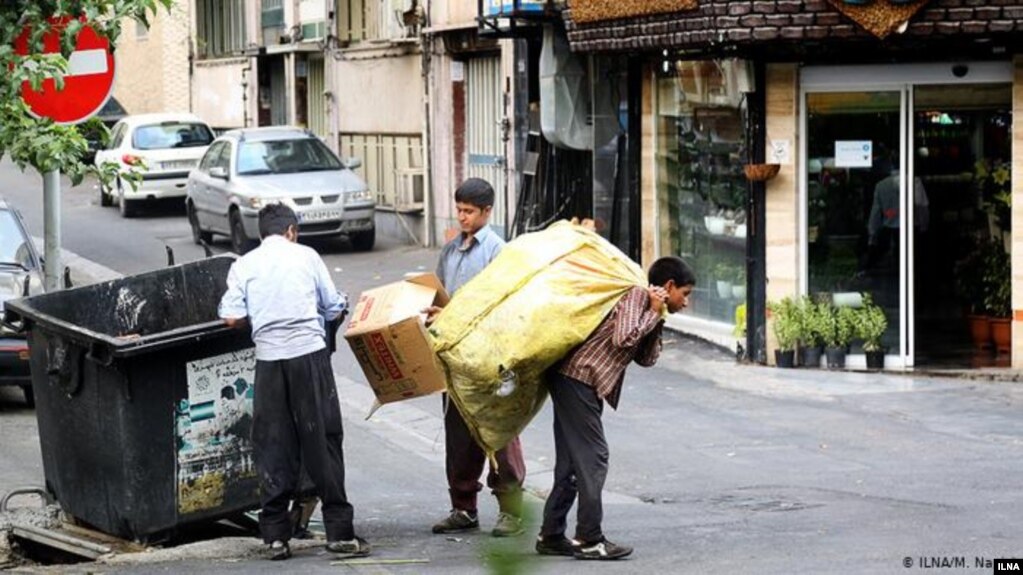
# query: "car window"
[224,158]
[14,247]
[171,135]
[209,159]
[285,156]
[116,136]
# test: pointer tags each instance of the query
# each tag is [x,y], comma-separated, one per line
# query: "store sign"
[879,18]
[511,7]
[854,153]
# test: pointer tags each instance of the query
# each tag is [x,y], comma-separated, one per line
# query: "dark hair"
[671,268]
[477,192]
[275,219]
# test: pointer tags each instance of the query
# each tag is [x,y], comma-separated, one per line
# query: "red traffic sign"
[87,84]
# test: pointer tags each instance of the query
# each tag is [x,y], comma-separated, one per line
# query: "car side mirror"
[352,163]
[219,172]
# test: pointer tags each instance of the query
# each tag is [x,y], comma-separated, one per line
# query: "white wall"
[217,93]
[379,95]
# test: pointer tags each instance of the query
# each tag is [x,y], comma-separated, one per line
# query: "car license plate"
[319,215]
[179,165]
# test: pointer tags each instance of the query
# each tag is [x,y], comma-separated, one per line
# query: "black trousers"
[581,462]
[296,422]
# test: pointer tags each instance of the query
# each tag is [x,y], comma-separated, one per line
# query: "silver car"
[244,170]
[21,274]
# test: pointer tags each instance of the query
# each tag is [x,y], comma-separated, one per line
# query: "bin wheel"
[198,234]
[30,395]
[240,243]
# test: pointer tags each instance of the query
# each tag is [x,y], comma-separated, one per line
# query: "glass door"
[854,198]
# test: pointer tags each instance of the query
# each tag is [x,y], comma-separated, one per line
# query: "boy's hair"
[275,219]
[671,268]
[477,192]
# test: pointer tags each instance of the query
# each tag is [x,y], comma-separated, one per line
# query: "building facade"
[153,63]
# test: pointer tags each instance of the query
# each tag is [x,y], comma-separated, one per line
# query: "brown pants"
[465,462]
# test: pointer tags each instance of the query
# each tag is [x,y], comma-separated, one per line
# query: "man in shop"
[461,259]
[884,221]
[579,385]
[282,290]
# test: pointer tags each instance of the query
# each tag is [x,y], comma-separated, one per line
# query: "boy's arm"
[635,319]
[330,302]
[233,308]
[650,348]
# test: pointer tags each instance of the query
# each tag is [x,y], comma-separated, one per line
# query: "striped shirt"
[632,331]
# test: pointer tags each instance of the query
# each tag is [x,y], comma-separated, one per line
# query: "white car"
[245,170]
[162,147]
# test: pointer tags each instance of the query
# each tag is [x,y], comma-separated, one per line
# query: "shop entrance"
[905,192]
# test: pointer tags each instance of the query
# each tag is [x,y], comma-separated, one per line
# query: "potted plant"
[723,280]
[785,324]
[739,331]
[998,295]
[813,327]
[871,324]
[841,331]
[971,288]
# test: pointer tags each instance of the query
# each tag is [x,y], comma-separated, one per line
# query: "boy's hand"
[658,296]
[431,313]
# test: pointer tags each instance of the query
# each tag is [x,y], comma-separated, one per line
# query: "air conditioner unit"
[411,186]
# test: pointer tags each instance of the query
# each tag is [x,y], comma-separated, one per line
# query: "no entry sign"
[87,84]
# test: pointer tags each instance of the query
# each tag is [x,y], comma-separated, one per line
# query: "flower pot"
[875,359]
[738,291]
[980,330]
[761,172]
[1001,333]
[811,356]
[785,358]
[724,289]
[836,357]
[715,225]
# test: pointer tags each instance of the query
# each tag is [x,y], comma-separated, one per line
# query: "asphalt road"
[715,468]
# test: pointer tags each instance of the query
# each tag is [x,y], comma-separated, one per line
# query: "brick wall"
[723,24]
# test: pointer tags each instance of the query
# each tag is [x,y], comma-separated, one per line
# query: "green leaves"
[36,142]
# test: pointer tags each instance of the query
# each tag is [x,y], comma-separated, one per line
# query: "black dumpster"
[144,400]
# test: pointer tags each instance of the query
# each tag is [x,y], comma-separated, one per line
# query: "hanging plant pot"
[811,356]
[785,358]
[980,331]
[836,357]
[761,172]
[1001,333]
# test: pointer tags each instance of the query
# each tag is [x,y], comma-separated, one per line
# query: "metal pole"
[51,230]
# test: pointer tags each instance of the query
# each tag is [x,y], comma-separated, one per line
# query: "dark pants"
[581,459]
[465,462]
[296,422]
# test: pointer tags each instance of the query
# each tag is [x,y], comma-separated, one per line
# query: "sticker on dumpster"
[212,429]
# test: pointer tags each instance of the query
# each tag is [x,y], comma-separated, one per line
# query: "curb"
[83,271]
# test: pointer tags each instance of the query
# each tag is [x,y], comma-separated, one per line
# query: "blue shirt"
[458,264]
[285,291]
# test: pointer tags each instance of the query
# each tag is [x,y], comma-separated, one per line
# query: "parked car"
[245,170]
[20,275]
[162,147]
[111,113]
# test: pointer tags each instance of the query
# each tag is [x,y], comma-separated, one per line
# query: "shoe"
[457,522]
[357,547]
[602,549]
[507,525]
[279,551]
[556,545]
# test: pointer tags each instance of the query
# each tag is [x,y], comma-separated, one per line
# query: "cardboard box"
[389,340]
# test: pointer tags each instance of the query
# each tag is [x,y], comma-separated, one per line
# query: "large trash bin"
[144,400]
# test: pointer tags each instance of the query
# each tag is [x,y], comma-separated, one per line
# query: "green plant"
[785,322]
[841,325]
[814,322]
[871,323]
[997,280]
[739,330]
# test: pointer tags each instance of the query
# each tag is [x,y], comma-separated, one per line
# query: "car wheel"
[198,234]
[363,241]
[126,206]
[240,243]
[106,199]
[30,396]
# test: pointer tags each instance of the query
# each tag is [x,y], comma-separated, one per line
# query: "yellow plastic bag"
[542,296]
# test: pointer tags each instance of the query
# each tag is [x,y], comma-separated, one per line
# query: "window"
[220,27]
[116,136]
[701,189]
[384,158]
[285,156]
[141,30]
[14,248]
[171,135]
[210,158]
[371,19]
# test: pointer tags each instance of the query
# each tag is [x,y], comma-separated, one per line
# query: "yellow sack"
[542,296]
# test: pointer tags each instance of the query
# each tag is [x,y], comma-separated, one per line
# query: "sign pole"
[51,230]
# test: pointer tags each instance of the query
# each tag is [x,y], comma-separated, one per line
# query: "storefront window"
[701,189]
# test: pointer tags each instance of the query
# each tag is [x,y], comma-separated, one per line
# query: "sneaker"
[556,545]
[602,549]
[457,522]
[357,547]
[507,525]
[279,551]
